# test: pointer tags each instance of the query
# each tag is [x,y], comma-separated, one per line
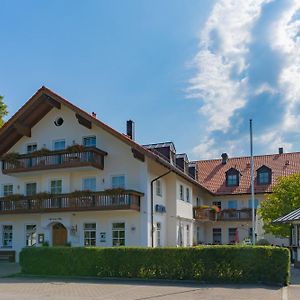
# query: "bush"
[212,264]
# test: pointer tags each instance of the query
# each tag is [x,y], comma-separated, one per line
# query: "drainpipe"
[152,225]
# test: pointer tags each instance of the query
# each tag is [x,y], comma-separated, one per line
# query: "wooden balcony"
[85,157]
[224,215]
[77,201]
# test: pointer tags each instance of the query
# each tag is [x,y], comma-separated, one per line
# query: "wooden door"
[59,235]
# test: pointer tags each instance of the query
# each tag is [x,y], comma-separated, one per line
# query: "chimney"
[224,158]
[131,129]
[94,115]
[280,150]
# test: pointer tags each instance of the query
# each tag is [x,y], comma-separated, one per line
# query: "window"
[118,182]
[232,177]
[59,145]
[89,184]
[198,201]
[232,235]
[118,234]
[217,236]
[31,148]
[181,192]
[30,189]
[90,234]
[30,235]
[218,204]
[56,186]
[232,204]
[187,194]
[7,236]
[199,234]
[89,141]
[188,240]
[158,234]
[158,188]
[7,189]
[264,175]
[255,203]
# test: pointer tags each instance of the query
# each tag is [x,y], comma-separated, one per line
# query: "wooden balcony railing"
[89,156]
[85,201]
[225,215]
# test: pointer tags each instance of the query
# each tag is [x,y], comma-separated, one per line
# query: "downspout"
[152,225]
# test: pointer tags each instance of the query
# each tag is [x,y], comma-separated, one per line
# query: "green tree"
[284,199]
[3,111]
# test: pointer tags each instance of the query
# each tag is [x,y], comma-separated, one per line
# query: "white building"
[67,178]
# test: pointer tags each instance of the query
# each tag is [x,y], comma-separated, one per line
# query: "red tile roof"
[211,173]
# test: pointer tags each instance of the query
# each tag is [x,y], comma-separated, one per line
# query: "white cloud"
[223,49]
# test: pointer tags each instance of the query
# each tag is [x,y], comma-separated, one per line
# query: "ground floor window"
[118,234]
[232,233]
[90,234]
[7,236]
[158,234]
[198,234]
[188,240]
[30,235]
[7,189]
[217,236]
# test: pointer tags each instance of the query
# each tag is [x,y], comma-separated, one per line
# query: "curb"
[284,293]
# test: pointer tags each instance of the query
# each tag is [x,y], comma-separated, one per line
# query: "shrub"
[212,264]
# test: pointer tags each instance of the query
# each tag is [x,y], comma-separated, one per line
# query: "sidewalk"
[7,269]
[294,288]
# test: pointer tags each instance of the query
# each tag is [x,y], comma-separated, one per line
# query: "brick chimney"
[131,129]
[280,150]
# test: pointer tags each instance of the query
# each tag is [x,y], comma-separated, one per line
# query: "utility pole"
[252,184]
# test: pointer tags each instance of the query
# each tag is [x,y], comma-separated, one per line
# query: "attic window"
[58,121]
[232,177]
[264,175]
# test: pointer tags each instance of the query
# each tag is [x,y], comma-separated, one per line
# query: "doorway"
[59,235]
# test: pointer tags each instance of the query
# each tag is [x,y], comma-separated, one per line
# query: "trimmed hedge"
[243,264]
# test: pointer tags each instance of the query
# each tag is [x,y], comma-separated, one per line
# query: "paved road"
[37,288]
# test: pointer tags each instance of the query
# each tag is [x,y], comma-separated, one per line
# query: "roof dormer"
[232,177]
[264,175]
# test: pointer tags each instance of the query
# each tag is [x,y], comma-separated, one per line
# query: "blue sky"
[192,72]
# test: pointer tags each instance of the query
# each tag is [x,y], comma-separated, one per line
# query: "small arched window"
[264,175]
[232,177]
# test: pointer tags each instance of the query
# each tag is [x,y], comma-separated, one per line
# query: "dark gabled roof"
[21,123]
[211,173]
[289,218]
[161,145]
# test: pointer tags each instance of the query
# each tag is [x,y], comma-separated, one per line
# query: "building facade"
[69,179]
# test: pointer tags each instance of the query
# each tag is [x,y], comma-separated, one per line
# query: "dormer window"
[232,177]
[264,175]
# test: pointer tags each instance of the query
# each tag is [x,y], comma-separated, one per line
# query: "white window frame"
[118,175]
[118,230]
[32,239]
[50,185]
[89,231]
[159,188]
[181,192]
[89,178]
[30,182]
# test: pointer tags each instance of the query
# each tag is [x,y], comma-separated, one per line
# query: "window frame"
[118,187]
[219,233]
[92,240]
[57,141]
[158,185]
[231,234]
[36,188]
[118,230]
[89,178]
[30,145]
[263,170]
[84,138]
[188,195]
[158,234]
[32,239]
[50,185]
[229,175]
[11,233]
[3,189]
[181,192]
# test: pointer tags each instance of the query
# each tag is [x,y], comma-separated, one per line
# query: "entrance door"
[59,234]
